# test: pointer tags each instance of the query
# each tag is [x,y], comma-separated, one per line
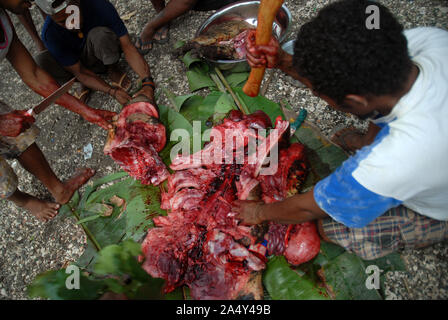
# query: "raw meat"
[224,41]
[136,141]
[200,242]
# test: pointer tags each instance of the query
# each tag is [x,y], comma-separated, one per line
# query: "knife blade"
[51,98]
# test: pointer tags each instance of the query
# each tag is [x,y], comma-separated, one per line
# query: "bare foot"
[349,139]
[162,35]
[65,193]
[42,210]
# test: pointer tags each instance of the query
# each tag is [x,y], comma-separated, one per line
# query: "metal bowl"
[247,11]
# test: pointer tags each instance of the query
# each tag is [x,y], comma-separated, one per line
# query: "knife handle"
[299,120]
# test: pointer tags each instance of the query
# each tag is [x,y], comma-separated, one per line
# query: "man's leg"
[398,228]
[102,53]
[173,10]
[162,33]
[34,162]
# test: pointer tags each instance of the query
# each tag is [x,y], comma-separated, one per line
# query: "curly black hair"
[339,55]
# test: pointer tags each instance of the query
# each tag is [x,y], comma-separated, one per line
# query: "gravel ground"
[28,247]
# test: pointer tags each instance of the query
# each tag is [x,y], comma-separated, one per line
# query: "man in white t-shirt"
[393,192]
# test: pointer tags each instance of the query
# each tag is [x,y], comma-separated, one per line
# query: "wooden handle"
[266,16]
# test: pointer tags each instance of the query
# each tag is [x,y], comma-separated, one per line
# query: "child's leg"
[42,210]
[33,160]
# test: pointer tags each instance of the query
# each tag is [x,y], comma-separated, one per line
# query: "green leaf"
[328,252]
[237,79]
[179,44]
[201,109]
[90,218]
[180,100]
[189,59]
[346,275]
[271,108]
[198,79]
[391,262]
[224,104]
[283,283]
[52,285]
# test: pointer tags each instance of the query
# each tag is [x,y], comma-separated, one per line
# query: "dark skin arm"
[92,81]
[43,84]
[137,63]
[296,209]
[27,21]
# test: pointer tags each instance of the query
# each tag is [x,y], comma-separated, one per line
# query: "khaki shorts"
[11,148]
[398,228]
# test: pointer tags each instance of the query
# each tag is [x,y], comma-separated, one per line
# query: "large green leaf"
[283,283]
[323,156]
[189,59]
[52,285]
[129,277]
[116,270]
[271,108]
[346,275]
[198,79]
[237,79]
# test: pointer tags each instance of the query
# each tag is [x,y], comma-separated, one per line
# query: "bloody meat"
[200,242]
[136,141]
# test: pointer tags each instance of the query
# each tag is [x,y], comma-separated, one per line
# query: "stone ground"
[28,247]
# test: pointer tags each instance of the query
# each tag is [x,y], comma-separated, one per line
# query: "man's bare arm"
[27,20]
[296,209]
[137,63]
[43,84]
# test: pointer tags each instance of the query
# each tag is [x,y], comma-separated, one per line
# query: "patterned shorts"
[11,148]
[398,228]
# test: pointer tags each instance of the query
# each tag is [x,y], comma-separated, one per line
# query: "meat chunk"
[135,142]
[224,41]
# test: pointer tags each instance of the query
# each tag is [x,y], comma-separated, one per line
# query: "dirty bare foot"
[349,139]
[162,35]
[68,188]
[42,210]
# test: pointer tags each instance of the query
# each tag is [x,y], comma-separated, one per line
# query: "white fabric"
[411,162]
[6,29]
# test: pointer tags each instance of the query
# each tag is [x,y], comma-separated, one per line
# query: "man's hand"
[147,92]
[266,56]
[101,118]
[122,96]
[250,212]
[14,123]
